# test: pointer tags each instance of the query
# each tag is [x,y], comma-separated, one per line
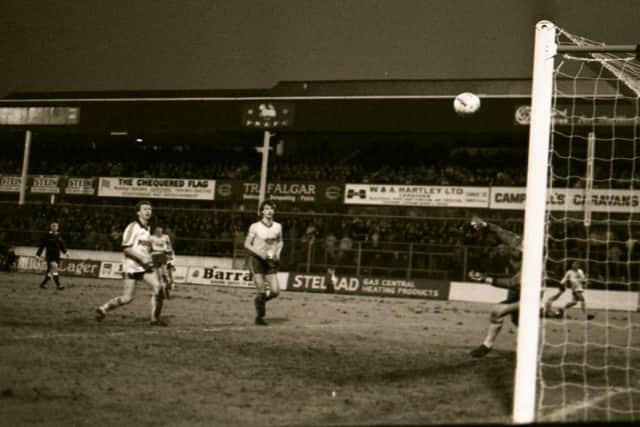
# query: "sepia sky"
[70,45]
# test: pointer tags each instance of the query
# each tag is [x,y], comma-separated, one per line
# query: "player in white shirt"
[264,242]
[576,279]
[162,256]
[138,267]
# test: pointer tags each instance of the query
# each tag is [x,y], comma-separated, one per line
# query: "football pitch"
[325,359]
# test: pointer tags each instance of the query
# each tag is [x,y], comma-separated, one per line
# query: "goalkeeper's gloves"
[477,276]
[478,223]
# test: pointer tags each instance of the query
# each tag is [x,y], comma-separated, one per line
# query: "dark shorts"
[159,259]
[259,266]
[136,276]
[515,315]
[512,296]
[51,260]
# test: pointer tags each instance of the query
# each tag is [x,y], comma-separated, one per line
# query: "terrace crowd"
[218,229]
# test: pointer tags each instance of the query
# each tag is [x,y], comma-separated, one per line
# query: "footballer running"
[264,243]
[138,267]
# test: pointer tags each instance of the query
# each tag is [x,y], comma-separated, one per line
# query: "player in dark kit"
[511,245]
[52,245]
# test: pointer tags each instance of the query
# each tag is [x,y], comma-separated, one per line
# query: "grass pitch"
[324,359]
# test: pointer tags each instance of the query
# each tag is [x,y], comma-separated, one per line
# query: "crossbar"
[630,48]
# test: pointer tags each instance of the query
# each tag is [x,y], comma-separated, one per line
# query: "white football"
[466,103]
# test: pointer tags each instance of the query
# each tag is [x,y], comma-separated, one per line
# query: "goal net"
[588,366]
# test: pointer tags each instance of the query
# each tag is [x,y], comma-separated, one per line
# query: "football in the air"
[466,104]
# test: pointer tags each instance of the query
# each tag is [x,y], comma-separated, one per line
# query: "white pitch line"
[81,335]
[562,414]
[248,327]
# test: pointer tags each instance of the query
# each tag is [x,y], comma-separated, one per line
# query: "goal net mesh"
[589,359]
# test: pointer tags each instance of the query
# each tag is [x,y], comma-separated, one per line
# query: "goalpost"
[582,205]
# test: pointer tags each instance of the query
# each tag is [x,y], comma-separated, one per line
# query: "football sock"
[260,304]
[112,303]
[271,296]
[492,334]
[156,305]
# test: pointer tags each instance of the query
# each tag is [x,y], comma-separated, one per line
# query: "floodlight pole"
[25,167]
[534,224]
[265,165]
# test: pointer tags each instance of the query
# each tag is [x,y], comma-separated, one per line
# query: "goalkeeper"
[138,267]
[511,244]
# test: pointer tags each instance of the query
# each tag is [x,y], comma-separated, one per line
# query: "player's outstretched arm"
[477,223]
[507,282]
[477,276]
[500,282]
[505,236]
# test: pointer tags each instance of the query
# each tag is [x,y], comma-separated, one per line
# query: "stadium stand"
[372,240]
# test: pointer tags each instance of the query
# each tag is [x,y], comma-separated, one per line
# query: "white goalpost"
[527,349]
[582,206]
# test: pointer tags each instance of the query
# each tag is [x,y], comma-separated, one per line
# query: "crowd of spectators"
[369,163]
[373,241]
[332,233]
[391,163]
[387,243]
[99,226]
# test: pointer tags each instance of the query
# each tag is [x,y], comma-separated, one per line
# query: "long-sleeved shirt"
[52,244]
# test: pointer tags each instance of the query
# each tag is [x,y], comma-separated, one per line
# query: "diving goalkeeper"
[511,244]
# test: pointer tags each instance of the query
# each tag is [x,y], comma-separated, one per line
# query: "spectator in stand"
[331,248]
[616,262]
[345,249]
[373,257]
[115,237]
[91,237]
[309,236]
